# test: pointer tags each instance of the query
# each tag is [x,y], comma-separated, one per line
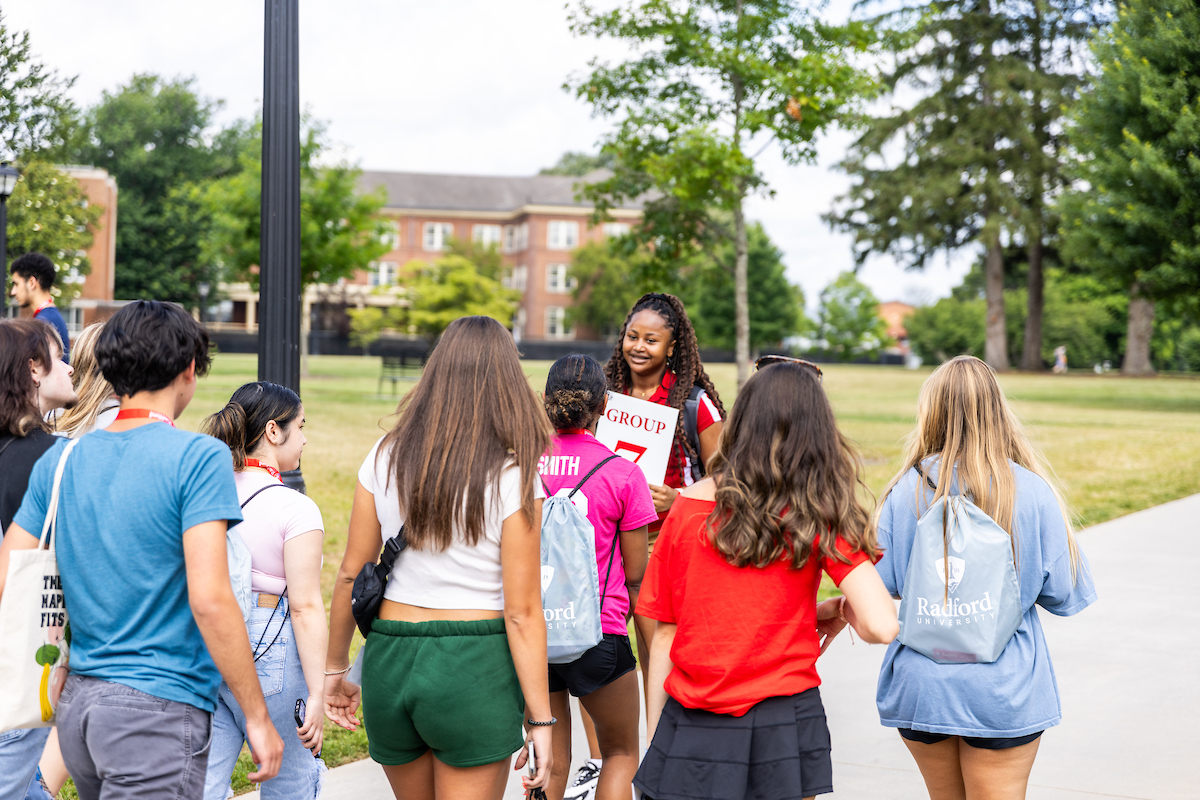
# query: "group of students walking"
[717,570]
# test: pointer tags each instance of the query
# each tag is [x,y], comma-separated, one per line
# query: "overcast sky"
[458,86]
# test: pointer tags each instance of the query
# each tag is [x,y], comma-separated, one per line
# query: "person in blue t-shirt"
[142,554]
[33,276]
[974,728]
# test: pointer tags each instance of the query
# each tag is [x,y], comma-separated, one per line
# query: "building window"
[515,277]
[391,237]
[383,273]
[556,323]
[562,235]
[74,318]
[437,236]
[486,235]
[559,279]
[615,229]
[516,237]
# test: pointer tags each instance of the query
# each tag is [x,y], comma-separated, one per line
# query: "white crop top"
[460,576]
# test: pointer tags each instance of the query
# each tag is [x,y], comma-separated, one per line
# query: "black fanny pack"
[371,582]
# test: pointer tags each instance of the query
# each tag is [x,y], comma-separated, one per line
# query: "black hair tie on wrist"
[536,724]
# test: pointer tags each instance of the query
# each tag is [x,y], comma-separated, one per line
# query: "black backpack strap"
[691,428]
[260,491]
[590,474]
[932,485]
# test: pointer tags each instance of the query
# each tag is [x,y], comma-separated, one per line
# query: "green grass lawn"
[1117,444]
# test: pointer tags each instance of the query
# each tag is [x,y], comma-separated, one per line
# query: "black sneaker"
[584,785]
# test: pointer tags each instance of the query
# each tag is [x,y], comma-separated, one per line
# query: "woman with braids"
[657,359]
[612,493]
[734,709]
[284,532]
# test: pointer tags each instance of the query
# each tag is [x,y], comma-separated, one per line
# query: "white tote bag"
[33,619]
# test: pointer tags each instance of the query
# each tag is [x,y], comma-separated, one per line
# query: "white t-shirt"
[461,576]
[268,521]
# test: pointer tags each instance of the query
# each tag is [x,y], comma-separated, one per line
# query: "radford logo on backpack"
[949,613]
[572,600]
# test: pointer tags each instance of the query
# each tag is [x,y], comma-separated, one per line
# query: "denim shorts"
[282,681]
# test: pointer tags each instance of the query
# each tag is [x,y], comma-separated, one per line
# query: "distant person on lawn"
[141,551]
[33,276]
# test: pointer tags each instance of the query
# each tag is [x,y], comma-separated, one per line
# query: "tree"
[49,213]
[607,284]
[453,287]
[1133,216]
[776,306]
[849,323]
[713,83]
[578,164]
[37,119]
[151,135]
[978,151]
[340,228]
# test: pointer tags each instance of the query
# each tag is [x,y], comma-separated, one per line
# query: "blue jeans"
[20,751]
[300,775]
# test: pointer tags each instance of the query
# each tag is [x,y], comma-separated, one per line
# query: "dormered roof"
[422,190]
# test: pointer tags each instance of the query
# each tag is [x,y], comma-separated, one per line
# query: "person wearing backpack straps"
[284,532]
[974,728]
[613,495]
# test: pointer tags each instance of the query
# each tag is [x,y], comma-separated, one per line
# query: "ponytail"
[229,425]
[242,423]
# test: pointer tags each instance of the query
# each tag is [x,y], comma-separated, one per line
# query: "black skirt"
[778,750]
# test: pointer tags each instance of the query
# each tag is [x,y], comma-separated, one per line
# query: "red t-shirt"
[679,467]
[745,634]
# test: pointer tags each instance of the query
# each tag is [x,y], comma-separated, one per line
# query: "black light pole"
[279,245]
[8,182]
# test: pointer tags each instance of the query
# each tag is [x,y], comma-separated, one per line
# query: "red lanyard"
[43,307]
[575,430]
[145,413]
[254,462]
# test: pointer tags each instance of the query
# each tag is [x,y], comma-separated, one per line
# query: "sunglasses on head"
[767,361]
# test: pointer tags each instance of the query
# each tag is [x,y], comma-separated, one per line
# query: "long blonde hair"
[965,420]
[90,387]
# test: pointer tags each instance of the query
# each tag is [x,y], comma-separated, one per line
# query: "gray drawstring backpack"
[962,601]
[571,597]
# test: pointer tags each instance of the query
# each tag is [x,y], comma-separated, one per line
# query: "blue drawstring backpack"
[962,601]
[571,597]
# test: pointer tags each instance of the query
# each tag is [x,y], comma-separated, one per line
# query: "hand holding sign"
[639,431]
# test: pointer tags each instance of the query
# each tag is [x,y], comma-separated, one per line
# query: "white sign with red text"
[639,431]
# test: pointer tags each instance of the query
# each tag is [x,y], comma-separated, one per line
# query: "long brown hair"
[470,414]
[966,422]
[90,387]
[22,341]
[684,362]
[787,479]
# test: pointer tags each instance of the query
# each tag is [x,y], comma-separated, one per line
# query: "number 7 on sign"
[630,451]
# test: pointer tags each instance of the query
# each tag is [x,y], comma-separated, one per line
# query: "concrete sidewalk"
[1127,669]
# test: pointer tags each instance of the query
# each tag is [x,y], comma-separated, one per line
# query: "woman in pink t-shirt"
[284,533]
[617,501]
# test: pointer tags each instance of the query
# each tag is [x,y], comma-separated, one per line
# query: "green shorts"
[445,686]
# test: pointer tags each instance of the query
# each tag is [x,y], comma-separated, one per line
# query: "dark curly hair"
[684,362]
[575,392]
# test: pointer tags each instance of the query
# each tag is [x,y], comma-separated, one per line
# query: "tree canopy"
[37,118]
[848,321]
[1133,217]
[711,84]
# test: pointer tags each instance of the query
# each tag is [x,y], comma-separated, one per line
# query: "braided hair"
[684,362]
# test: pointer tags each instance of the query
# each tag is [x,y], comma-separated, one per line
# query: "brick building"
[535,221]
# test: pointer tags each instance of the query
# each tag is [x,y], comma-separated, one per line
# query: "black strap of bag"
[932,485]
[691,429]
[260,491]
[369,585]
[286,614]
